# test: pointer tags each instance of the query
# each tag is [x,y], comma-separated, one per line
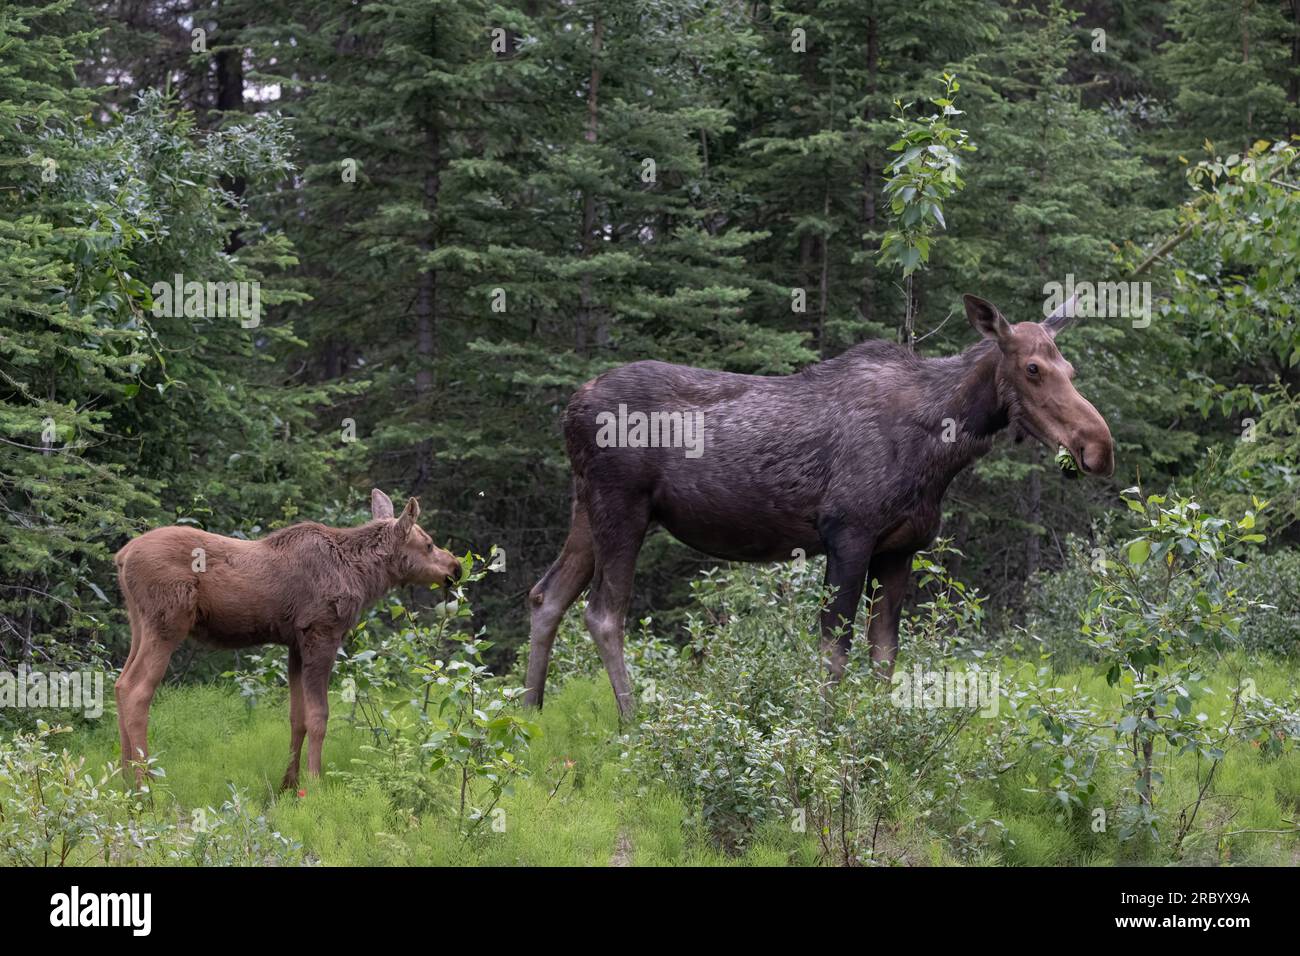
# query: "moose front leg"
[891,571]
[318,654]
[847,560]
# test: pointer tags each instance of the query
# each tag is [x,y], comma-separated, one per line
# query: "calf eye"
[1032,368]
[430,548]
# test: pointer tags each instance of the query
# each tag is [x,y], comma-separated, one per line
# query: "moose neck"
[966,409]
[363,553]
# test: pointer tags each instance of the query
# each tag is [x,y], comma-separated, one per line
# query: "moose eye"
[430,547]
[1032,368]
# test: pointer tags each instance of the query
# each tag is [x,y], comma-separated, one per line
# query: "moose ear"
[381,506]
[1062,315]
[985,318]
[407,521]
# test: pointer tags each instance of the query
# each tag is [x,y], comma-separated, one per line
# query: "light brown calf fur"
[305,586]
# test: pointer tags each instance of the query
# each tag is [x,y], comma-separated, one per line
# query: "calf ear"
[381,506]
[407,521]
[986,319]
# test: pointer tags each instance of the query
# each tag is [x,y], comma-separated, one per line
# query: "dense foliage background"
[456,212]
[451,214]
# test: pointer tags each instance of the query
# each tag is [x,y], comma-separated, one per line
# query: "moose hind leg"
[552,596]
[120,688]
[135,691]
[160,631]
[617,543]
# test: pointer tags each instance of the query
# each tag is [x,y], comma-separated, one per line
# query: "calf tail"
[132,614]
[120,560]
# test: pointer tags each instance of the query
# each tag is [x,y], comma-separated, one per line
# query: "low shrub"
[55,811]
[753,734]
[456,743]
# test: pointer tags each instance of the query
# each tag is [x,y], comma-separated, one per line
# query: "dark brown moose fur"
[849,458]
[305,586]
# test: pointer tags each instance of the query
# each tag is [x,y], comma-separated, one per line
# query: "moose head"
[415,559]
[1035,383]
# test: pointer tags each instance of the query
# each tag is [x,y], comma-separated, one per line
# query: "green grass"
[1249,793]
[580,808]
[580,815]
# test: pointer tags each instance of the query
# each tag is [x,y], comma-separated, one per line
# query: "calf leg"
[119,690]
[892,571]
[297,719]
[122,735]
[848,556]
[618,528]
[552,596]
[135,690]
[317,662]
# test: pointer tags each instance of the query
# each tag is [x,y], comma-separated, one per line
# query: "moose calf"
[305,586]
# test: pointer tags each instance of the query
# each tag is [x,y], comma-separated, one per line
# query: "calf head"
[414,558]
[1035,382]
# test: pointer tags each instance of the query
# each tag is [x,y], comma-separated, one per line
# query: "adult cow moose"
[849,458]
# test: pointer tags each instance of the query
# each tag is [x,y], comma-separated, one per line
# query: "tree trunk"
[911,309]
[1033,514]
[426,303]
[1245,59]
[230,75]
[824,283]
[230,98]
[1148,751]
[869,177]
[426,300]
[586,306]
[1293,80]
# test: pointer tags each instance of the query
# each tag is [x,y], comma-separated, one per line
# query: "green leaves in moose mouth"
[1065,461]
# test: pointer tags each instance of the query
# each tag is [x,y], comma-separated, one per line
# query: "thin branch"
[935,329]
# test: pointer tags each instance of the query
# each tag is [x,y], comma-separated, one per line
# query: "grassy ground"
[1250,797]
[580,807]
[585,814]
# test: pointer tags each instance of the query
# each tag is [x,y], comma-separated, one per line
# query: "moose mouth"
[1076,455]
